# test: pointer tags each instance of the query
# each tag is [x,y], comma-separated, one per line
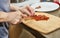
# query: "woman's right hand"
[14,17]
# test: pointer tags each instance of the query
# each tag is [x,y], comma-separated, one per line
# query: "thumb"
[15,21]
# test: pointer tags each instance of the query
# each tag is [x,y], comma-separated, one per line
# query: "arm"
[3,16]
[6,17]
[12,17]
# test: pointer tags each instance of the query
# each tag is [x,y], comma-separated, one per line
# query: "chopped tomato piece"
[40,17]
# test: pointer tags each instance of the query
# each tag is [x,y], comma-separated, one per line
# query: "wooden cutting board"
[44,26]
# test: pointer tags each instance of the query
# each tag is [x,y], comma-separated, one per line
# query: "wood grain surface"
[44,26]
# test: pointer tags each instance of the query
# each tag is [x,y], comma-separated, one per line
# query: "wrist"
[3,17]
[7,18]
[10,17]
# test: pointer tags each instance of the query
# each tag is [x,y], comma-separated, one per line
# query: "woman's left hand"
[27,10]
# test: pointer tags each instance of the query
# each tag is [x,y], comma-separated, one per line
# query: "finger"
[18,12]
[31,10]
[23,15]
[25,11]
[16,21]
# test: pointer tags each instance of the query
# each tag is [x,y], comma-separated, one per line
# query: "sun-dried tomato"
[40,17]
[38,7]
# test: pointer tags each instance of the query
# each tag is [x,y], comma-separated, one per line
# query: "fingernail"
[16,21]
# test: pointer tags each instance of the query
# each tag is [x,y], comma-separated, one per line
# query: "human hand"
[27,10]
[14,17]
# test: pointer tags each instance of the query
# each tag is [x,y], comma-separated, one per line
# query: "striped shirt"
[4,6]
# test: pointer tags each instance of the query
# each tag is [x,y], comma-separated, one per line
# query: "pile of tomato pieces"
[40,17]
